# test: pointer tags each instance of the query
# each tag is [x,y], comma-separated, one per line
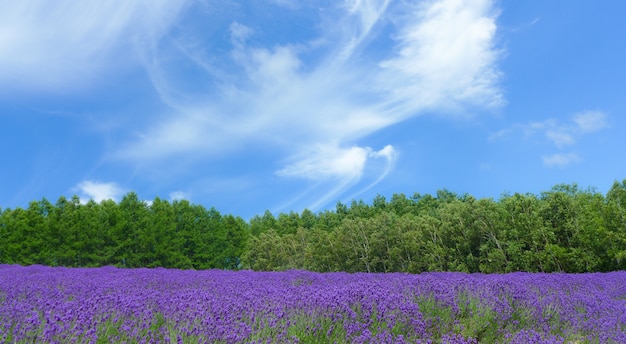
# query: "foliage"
[131,233]
[566,229]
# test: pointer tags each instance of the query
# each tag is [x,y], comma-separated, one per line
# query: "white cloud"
[500,134]
[323,90]
[178,195]
[561,159]
[559,133]
[325,162]
[442,57]
[388,152]
[239,33]
[342,167]
[590,121]
[173,137]
[99,191]
[57,45]
[560,137]
[365,14]
[446,57]
[291,4]
[563,134]
[390,155]
[532,128]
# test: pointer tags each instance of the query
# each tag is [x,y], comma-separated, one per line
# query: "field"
[102,305]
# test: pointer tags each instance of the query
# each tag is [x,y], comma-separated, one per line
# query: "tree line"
[565,229]
[131,233]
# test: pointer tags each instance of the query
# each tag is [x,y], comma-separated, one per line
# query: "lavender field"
[102,305]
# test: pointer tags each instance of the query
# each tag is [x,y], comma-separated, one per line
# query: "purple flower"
[50,305]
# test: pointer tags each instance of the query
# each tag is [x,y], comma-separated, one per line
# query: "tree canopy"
[565,229]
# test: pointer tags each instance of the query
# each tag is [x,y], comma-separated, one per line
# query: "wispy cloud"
[560,159]
[99,191]
[560,134]
[446,58]
[56,46]
[329,162]
[178,195]
[341,167]
[309,97]
[590,121]
[441,56]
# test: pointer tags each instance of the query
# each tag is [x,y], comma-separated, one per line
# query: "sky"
[283,105]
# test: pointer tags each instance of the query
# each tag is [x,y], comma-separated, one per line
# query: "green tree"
[615,223]
[430,245]
[497,247]
[288,223]
[233,237]
[354,238]
[22,236]
[573,216]
[108,221]
[132,233]
[165,240]
[91,238]
[321,251]
[385,242]
[261,224]
[70,233]
[527,233]
[308,219]
[196,230]
[459,234]
[267,252]
[329,220]
[400,205]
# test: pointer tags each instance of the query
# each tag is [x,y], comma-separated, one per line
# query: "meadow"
[41,304]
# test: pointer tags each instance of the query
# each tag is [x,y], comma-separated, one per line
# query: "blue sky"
[285,105]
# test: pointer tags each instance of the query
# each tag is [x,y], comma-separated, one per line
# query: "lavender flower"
[52,305]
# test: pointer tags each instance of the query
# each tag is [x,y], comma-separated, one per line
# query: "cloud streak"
[559,134]
[55,46]
[560,159]
[310,96]
[329,162]
[445,58]
[99,191]
[314,97]
[343,167]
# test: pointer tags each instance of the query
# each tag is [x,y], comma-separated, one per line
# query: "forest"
[565,229]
